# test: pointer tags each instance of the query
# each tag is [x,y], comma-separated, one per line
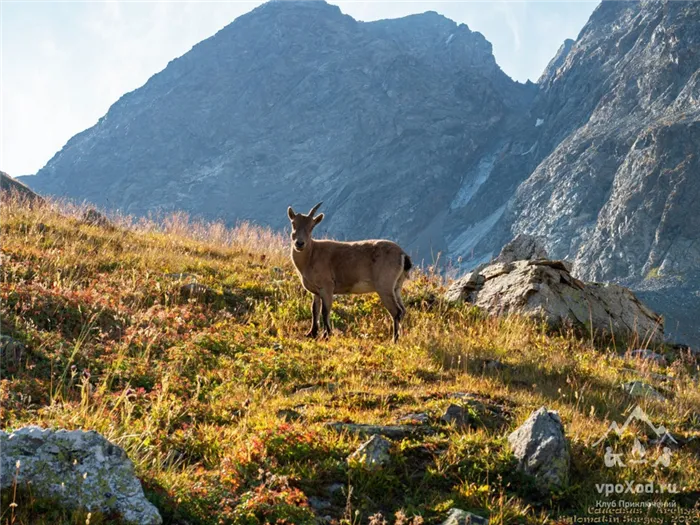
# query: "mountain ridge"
[408,129]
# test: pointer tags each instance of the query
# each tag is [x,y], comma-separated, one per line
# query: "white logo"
[638,454]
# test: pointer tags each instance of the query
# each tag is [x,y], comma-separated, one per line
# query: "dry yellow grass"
[193,389]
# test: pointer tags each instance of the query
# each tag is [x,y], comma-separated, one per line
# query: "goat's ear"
[291,213]
[318,219]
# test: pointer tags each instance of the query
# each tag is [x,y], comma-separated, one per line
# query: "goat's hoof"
[326,335]
[311,334]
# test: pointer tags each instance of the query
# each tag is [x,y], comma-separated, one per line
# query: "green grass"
[192,389]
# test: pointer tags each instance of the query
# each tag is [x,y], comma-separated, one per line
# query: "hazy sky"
[63,63]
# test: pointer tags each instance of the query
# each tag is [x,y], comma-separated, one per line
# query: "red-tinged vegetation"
[198,390]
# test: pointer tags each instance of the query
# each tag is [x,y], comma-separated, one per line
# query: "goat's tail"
[407,263]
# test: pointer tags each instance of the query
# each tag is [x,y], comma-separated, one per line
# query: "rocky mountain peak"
[408,129]
[557,61]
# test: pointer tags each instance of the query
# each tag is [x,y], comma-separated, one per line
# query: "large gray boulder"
[522,247]
[546,290]
[541,449]
[80,469]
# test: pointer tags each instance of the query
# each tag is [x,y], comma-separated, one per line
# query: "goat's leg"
[397,294]
[315,310]
[391,304]
[326,305]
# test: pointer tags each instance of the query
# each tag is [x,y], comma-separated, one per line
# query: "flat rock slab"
[80,469]
[390,431]
[419,418]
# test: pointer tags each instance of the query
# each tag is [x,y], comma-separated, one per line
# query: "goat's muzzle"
[299,245]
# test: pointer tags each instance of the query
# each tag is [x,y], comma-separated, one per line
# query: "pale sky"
[63,63]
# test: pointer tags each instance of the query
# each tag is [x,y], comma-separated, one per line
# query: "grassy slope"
[192,389]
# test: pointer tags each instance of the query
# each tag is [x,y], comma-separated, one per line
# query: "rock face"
[408,129]
[545,289]
[616,158]
[541,449]
[378,120]
[79,469]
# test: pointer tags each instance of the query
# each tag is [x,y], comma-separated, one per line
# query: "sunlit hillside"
[224,406]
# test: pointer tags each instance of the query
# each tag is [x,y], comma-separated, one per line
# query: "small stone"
[458,416]
[373,453]
[462,517]
[11,350]
[494,364]
[541,449]
[334,488]
[288,414]
[641,389]
[648,355]
[472,411]
[196,291]
[318,504]
[420,418]
[95,218]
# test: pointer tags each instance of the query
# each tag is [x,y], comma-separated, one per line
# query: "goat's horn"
[313,210]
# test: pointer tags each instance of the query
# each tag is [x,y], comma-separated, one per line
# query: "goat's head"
[302,226]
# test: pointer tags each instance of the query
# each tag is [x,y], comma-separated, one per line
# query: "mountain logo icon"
[638,415]
[638,453]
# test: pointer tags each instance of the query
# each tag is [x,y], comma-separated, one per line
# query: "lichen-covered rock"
[643,390]
[79,469]
[546,290]
[390,431]
[541,449]
[465,287]
[373,453]
[462,517]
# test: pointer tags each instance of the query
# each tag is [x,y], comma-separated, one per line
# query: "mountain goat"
[333,267]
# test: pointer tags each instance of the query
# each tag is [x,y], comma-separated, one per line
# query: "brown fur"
[328,268]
